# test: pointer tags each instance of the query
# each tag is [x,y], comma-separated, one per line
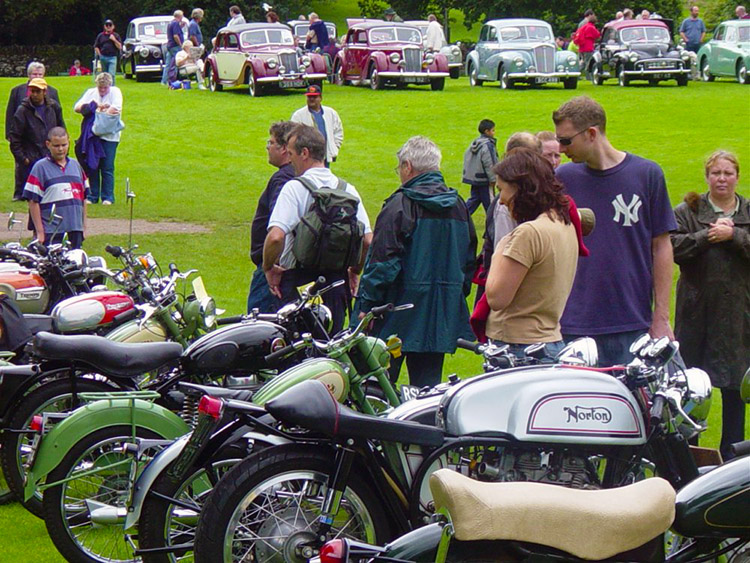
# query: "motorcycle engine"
[557,468]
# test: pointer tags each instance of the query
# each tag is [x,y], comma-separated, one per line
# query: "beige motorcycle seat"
[589,524]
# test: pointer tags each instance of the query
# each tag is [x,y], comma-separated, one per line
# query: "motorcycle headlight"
[395,58]
[271,63]
[78,257]
[698,396]
[208,313]
[324,316]
[144,52]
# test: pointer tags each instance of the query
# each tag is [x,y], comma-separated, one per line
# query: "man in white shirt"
[324,119]
[435,38]
[306,148]
[188,60]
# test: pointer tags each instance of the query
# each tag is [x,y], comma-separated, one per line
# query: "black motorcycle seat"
[310,405]
[218,392]
[39,323]
[116,359]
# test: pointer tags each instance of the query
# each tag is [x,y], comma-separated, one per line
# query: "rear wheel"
[437,84]
[269,504]
[15,450]
[83,514]
[706,75]
[473,79]
[253,88]
[741,73]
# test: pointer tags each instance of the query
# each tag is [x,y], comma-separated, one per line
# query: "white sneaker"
[106,202]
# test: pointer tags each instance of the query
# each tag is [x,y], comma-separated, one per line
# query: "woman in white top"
[108,99]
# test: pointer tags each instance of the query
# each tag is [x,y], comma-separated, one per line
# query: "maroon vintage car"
[383,53]
[262,56]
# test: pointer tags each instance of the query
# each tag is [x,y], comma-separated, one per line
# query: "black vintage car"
[144,46]
[638,50]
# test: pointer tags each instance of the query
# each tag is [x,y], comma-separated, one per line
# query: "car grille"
[545,58]
[662,64]
[289,62]
[413,60]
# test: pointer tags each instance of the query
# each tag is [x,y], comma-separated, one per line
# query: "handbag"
[106,124]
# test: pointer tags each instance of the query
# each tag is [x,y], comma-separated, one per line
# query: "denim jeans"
[168,62]
[479,194]
[551,349]
[260,296]
[109,64]
[103,178]
[613,349]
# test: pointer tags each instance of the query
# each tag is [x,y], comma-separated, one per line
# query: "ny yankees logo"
[629,212]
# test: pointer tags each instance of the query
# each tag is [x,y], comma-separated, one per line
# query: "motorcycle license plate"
[409,392]
[546,79]
[292,84]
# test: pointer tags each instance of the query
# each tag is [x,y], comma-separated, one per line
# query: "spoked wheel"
[15,449]
[266,508]
[84,514]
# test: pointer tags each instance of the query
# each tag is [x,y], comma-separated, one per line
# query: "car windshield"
[267,37]
[154,29]
[644,34]
[395,34]
[525,33]
[744,33]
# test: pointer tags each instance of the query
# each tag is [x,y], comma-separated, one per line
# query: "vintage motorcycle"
[365,477]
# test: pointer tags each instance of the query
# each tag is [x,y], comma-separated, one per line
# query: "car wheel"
[706,75]
[131,64]
[253,88]
[455,72]
[506,83]
[655,82]
[622,78]
[570,83]
[681,80]
[473,80]
[212,84]
[376,83]
[338,75]
[140,77]
[742,73]
[596,75]
[437,84]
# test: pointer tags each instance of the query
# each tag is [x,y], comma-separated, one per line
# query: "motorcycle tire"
[296,476]
[164,523]
[53,396]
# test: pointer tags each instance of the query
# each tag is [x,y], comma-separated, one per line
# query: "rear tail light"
[334,551]
[211,406]
[37,423]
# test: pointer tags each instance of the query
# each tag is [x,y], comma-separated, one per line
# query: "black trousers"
[732,421]
[425,368]
[22,173]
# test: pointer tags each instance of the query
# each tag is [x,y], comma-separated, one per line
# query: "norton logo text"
[588,414]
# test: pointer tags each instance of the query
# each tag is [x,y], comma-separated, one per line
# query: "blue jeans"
[613,349]
[104,176]
[109,64]
[479,194]
[168,61]
[260,297]
[551,349]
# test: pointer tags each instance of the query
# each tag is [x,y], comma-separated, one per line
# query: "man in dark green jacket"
[423,252]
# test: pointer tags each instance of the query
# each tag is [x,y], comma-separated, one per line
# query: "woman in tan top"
[534,265]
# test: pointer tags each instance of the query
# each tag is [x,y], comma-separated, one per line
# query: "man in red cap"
[324,119]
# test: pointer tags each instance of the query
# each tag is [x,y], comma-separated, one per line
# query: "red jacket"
[586,36]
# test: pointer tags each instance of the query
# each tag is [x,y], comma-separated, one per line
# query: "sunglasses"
[565,141]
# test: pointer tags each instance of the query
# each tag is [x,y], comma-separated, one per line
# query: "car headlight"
[455,50]
[282,69]
[633,57]
[429,59]
[518,61]
[560,68]
[271,63]
[305,61]
[144,51]
[395,58]
[571,60]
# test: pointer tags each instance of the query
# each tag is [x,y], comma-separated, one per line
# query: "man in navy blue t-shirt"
[174,44]
[630,266]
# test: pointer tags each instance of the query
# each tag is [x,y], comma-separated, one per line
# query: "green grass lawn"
[200,157]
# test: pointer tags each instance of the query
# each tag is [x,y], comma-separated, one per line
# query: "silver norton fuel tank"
[555,404]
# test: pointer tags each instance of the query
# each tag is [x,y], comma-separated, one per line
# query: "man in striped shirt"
[57,180]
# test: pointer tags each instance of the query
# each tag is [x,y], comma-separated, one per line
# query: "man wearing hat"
[107,46]
[390,15]
[324,119]
[36,115]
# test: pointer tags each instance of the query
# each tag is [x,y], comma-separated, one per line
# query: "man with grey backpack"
[318,227]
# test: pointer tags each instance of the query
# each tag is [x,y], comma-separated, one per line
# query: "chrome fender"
[152,471]
[473,58]
[94,416]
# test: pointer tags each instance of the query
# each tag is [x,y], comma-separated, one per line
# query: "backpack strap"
[311,187]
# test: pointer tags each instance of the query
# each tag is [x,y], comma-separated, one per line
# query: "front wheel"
[437,84]
[622,78]
[570,83]
[83,514]
[270,503]
[596,75]
[742,77]
[376,82]
[253,88]
[506,83]
[473,76]
[706,75]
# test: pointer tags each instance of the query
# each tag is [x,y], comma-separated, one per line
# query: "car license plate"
[546,79]
[662,76]
[409,392]
[292,84]
[414,79]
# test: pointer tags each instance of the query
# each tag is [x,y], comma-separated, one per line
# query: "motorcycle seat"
[218,392]
[310,405]
[589,524]
[39,323]
[116,359]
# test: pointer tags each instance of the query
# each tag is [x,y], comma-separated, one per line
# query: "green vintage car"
[727,53]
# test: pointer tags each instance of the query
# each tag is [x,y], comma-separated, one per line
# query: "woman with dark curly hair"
[534,265]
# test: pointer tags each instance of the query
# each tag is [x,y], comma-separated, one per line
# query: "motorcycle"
[575,426]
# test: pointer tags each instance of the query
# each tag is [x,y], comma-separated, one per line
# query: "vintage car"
[261,56]
[380,53]
[520,50]
[727,53]
[452,52]
[143,47]
[638,50]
